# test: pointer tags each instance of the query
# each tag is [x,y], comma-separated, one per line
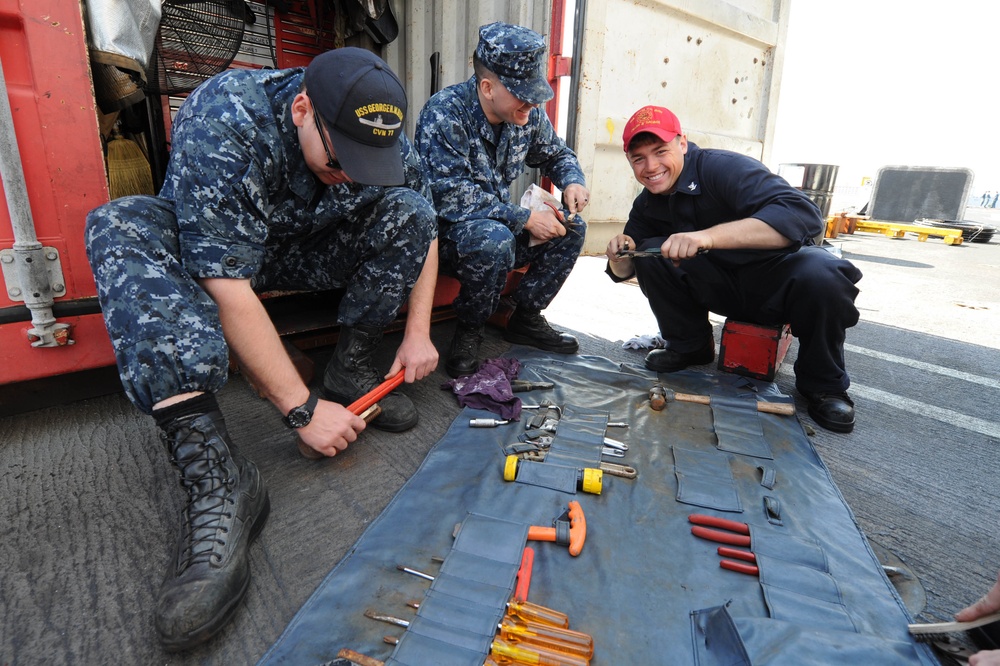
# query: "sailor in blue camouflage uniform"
[278,179]
[476,138]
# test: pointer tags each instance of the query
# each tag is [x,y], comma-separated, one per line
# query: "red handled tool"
[744,555]
[736,534]
[741,567]
[729,532]
[377,393]
[366,407]
[524,574]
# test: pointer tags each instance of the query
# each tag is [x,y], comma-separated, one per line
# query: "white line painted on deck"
[957,419]
[949,416]
[928,367]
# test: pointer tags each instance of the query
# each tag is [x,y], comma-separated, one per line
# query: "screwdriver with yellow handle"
[530,615]
[505,652]
[490,659]
[531,634]
[529,612]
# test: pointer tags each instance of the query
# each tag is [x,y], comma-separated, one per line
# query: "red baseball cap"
[653,119]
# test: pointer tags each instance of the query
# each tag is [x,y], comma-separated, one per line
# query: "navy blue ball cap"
[363,105]
[517,56]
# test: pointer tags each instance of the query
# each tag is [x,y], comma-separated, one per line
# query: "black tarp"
[646,589]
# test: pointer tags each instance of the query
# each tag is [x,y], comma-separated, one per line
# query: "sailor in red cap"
[737,240]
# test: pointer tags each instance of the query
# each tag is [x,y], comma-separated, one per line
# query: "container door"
[47,75]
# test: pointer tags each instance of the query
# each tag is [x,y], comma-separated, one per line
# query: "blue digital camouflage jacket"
[471,170]
[238,179]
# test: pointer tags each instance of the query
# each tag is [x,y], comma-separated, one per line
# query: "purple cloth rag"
[489,388]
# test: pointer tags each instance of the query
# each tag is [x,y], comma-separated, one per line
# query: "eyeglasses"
[331,163]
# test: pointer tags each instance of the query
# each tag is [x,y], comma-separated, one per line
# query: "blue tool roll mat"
[647,589]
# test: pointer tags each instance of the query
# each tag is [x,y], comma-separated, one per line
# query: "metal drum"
[816,181]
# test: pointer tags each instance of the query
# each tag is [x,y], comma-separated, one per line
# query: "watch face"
[298,417]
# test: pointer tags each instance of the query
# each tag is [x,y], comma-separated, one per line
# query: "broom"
[128,170]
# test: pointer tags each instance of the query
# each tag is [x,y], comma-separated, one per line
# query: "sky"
[875,83]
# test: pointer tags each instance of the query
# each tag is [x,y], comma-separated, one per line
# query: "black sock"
[199,404]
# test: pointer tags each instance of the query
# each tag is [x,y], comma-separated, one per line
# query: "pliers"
[735,534]
[639,254]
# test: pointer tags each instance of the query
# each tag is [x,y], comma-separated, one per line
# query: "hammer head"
[659,395]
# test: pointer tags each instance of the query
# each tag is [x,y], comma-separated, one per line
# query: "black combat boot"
[668,360]
[463,354]
[350,374]
[834,411]
[529,327]
[227,507]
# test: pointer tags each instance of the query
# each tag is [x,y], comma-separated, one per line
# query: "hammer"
[660,393]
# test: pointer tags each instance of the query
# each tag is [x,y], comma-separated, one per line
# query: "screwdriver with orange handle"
[529,612]
[533,634]
[491,659]
[505,652]
[523,652]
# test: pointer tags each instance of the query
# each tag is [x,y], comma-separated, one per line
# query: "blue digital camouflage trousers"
[165,328]
[480,254]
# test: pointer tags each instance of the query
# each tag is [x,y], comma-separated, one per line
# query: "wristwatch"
[299,417]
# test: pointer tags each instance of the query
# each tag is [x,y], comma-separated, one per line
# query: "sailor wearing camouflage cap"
[290,179]
[476,138]
[517,56]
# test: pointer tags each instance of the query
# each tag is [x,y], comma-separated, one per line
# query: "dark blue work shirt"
[717,186]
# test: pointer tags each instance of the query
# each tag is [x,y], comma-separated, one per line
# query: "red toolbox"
[753,350]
